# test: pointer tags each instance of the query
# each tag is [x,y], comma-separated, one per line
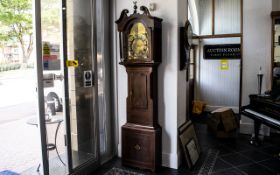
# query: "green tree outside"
[16,25]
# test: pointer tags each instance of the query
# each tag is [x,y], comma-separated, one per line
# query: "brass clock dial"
[188,34]
[138,42]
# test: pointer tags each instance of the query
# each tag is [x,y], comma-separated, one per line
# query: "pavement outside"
[20,147]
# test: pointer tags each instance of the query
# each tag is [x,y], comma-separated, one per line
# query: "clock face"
[188,34]
[138,42]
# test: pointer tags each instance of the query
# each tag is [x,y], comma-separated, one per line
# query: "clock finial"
[135,6]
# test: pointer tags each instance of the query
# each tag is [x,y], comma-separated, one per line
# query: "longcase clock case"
[140,49]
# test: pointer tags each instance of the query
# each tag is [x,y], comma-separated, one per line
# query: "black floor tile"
[236,159]
[238,146]
[256,169]
[256,155]
[221,165]
[198,164]
[272,164]
[271,150]
[207,141]
[224,150]
[264,144]
[232,171]
[166,171]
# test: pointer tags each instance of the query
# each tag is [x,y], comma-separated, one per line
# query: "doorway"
[218,78]
[73,80]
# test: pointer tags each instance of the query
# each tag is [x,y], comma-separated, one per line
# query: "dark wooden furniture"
[140,49]
[263,110]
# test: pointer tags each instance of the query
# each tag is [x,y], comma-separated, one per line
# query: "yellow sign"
[224,65]
[72,63]
[46,49]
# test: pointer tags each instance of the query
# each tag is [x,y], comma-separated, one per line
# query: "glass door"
[81,83]
[66,54]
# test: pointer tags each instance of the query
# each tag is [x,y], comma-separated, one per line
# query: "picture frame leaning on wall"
[189,143]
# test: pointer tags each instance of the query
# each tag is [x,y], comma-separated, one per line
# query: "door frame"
[91,164]
[40,87]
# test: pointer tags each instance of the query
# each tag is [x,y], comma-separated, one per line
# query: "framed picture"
[192,151]
[189,143]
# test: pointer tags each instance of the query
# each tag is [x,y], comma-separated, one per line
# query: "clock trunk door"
[139,102]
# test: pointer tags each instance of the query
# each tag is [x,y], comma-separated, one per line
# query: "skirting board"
[171,160]
[210,108]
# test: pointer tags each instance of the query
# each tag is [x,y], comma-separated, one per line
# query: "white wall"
[275,5]
[182,85]
[256,50]
[171,82]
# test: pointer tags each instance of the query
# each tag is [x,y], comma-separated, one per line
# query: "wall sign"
[228,51]
[88,78]
[224,65]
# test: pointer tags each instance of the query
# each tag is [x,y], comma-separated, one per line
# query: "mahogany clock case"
[140,49]
[141,147]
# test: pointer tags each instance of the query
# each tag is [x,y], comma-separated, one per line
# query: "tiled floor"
[236,156]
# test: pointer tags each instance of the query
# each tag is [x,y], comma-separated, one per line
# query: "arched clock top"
[139,37]
[145,10]
[123,16]
[149,20]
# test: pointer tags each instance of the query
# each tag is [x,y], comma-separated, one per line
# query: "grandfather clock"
[140,49]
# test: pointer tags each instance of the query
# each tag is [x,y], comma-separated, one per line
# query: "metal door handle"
[59,77]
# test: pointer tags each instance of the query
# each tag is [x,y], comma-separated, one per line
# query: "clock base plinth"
[141,147]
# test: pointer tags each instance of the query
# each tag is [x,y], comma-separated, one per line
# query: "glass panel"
[20,150]
[191,72]
[193,15]
[192,56]
[191,64]
[104,84]
[80,81]
[277,41]
[53,85]
[227,16]
[276,66]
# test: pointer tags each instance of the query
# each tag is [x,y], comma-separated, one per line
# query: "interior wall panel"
[218,87]
[205,16]
[227,16]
